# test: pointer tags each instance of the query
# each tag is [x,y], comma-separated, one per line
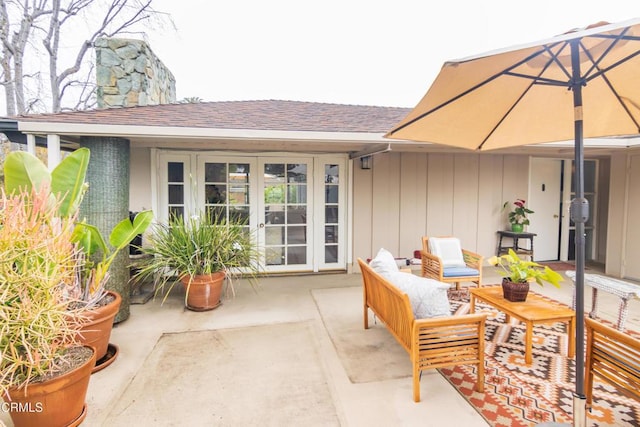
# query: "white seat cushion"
[448,249]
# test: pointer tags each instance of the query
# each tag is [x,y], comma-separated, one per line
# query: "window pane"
[296,235]
[216,194]
[217,213]
[297,255]
[274,194]
[331,174]
[297,194]
[331,214]
[296,215]
[330,254]
[331,194]
[273,172]
[274,256]
[274,235]
[331,234]
[239,173]
[239,214]
[176,194]
[176,211]
[297,173]
[239,194]
[215,172]
[274,215]
[175,172]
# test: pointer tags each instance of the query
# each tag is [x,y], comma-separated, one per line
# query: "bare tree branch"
[39,30]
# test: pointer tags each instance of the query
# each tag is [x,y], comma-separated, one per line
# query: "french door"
[294,206]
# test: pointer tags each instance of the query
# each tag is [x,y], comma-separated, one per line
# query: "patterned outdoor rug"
[517,394]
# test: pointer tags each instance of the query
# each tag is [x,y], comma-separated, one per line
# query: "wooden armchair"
[444,259]
[613,356]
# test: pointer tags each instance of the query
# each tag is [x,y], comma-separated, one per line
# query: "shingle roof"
[258,115]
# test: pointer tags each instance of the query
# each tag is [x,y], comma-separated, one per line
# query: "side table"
[516,246]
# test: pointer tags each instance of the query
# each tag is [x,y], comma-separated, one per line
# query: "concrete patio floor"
[289,299]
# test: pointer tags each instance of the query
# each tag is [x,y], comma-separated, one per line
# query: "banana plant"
[24,171]
[67,186]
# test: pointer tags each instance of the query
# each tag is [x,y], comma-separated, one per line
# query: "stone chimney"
[128,74]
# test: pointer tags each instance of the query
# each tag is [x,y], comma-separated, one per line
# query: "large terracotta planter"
[203,291]
[56,402]
[96,332]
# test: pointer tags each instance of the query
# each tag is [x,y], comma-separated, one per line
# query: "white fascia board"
[189,132]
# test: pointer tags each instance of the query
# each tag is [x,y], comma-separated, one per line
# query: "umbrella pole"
[579,215]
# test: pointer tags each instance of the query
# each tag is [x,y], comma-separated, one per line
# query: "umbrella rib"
[601,72]
[506,71]
[534,80]
[616,39]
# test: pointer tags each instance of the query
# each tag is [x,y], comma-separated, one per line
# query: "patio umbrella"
[584,83]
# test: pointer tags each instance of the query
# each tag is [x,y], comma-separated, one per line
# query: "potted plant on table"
[519,273]
[518,216]
[200,252]
[66,183]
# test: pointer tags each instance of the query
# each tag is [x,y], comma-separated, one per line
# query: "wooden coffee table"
[535,310]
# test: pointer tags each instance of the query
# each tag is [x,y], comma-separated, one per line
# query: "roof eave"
[76,129]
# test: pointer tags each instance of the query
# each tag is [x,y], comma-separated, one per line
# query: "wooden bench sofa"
[613,356]
[431,343]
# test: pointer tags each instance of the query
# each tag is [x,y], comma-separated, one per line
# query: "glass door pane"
[226,190]
[331,212]
[286,224]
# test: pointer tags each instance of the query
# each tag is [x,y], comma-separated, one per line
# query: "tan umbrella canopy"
[522,95]
[585,83]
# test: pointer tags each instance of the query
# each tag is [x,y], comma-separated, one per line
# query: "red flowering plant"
[519,214]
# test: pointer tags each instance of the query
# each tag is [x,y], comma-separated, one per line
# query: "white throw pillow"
[384,263]
[428,297]
[448,249]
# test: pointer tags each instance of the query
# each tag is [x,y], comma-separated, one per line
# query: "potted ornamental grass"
[66,184]
[200,252]
[518,273]
[44,369]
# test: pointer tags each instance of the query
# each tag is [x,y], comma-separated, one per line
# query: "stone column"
[107,203]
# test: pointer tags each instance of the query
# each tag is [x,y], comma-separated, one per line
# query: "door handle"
[556,216]
[261,225]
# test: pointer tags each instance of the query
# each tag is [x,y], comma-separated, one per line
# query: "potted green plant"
[66,184]
[518,216]
[200,251]
[519,273]
[44,370]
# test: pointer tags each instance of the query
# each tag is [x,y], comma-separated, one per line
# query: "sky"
[362,52]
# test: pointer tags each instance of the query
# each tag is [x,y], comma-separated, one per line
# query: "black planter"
[514,291]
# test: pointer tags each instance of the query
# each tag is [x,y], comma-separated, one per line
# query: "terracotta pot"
[56,402]
[96,332]
[203,291]
[514,291]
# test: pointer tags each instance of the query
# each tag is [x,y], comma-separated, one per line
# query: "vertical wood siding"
[411,195]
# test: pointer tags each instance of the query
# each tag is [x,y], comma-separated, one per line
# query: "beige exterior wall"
[140,180]
[408,195]
[623,239]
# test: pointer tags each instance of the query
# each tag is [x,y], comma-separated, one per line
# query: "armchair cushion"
[460,272]
[428,297]
[448,249]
